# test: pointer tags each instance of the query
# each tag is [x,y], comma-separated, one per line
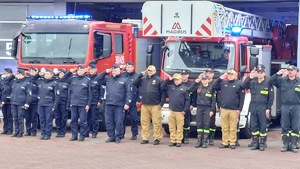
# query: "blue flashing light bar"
[65,17]
[236,30]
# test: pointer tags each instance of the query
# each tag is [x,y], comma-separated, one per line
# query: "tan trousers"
[176,122]
[148,113]
[229,121]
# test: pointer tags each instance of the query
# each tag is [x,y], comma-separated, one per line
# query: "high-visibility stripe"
[186,128]
[206,131]
[200,130]
[255,133]
[212,129]
[263,134]
[293,134]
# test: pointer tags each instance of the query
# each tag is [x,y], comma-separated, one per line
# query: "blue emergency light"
[236,30]
[78,17]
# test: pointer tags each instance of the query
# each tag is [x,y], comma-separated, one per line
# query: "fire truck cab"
[203,34]
[68,41]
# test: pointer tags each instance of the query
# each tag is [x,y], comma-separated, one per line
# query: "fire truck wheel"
[245,133]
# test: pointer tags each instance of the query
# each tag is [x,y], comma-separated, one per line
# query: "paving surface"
[30,152]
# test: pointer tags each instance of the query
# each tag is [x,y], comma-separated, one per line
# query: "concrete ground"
[30,152]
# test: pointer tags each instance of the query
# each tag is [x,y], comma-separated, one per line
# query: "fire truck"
[190,25]
[69,41]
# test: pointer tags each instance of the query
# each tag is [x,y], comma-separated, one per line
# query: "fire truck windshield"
[54,48]
[198,56]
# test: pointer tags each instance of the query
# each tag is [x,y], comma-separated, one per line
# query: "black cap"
[8,70]
[80,67]
[292,67]
[21,71]
[34,68]
[129,63]
[49,70]
[226,50]
[93,66]
[210,70]
[184,71]
[115,66]
[63,70]
[261,66]
[260,69]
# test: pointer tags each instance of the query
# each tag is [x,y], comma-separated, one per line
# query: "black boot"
[186,136]
[294,141]
[255,144]
[262,144]
[237,139]
[199,143]
[204,141]
[285,141]
[211,138]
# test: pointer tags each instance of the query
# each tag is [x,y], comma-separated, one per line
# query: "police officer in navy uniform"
[118,99]
[48,95]
[262,96]
[61,113]
[80,101]
[130,75]
[31,114]
[6,89]
[289,87]
[20,100]
[96,94]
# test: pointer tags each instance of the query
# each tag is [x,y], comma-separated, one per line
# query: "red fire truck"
[213,28]
[67,41]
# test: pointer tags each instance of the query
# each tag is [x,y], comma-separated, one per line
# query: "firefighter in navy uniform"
[6,89]
[206,107]
[179,104]
[262,96]
[48,95]
[187,116]
[289,87]
[20,100]
[118,99]
[231,103]
[31,114]
[130,75]
[79,100]
[61,113]
[96,94]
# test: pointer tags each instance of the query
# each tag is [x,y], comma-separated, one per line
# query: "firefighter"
[262,97]
[31,114]
[96,93]
[20,100]
[212,129]
[118,99]
[289,87]
[5,92]
[153,98]
[130,75]
[187,116]
[79,102]
[61,113]
[231,103]
[206,107]
[179,104]
[48,95]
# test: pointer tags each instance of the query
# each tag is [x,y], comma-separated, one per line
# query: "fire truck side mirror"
[149,54]
[14,47]
[254,51]
[253,62]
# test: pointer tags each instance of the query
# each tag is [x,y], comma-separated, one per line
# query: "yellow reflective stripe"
[206,131]
[255,133]
[293,134]
[284,135]
[186,128]
[264,92]
[212,129]
[199,130]
[207,94]
[263,135]
[297,89]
